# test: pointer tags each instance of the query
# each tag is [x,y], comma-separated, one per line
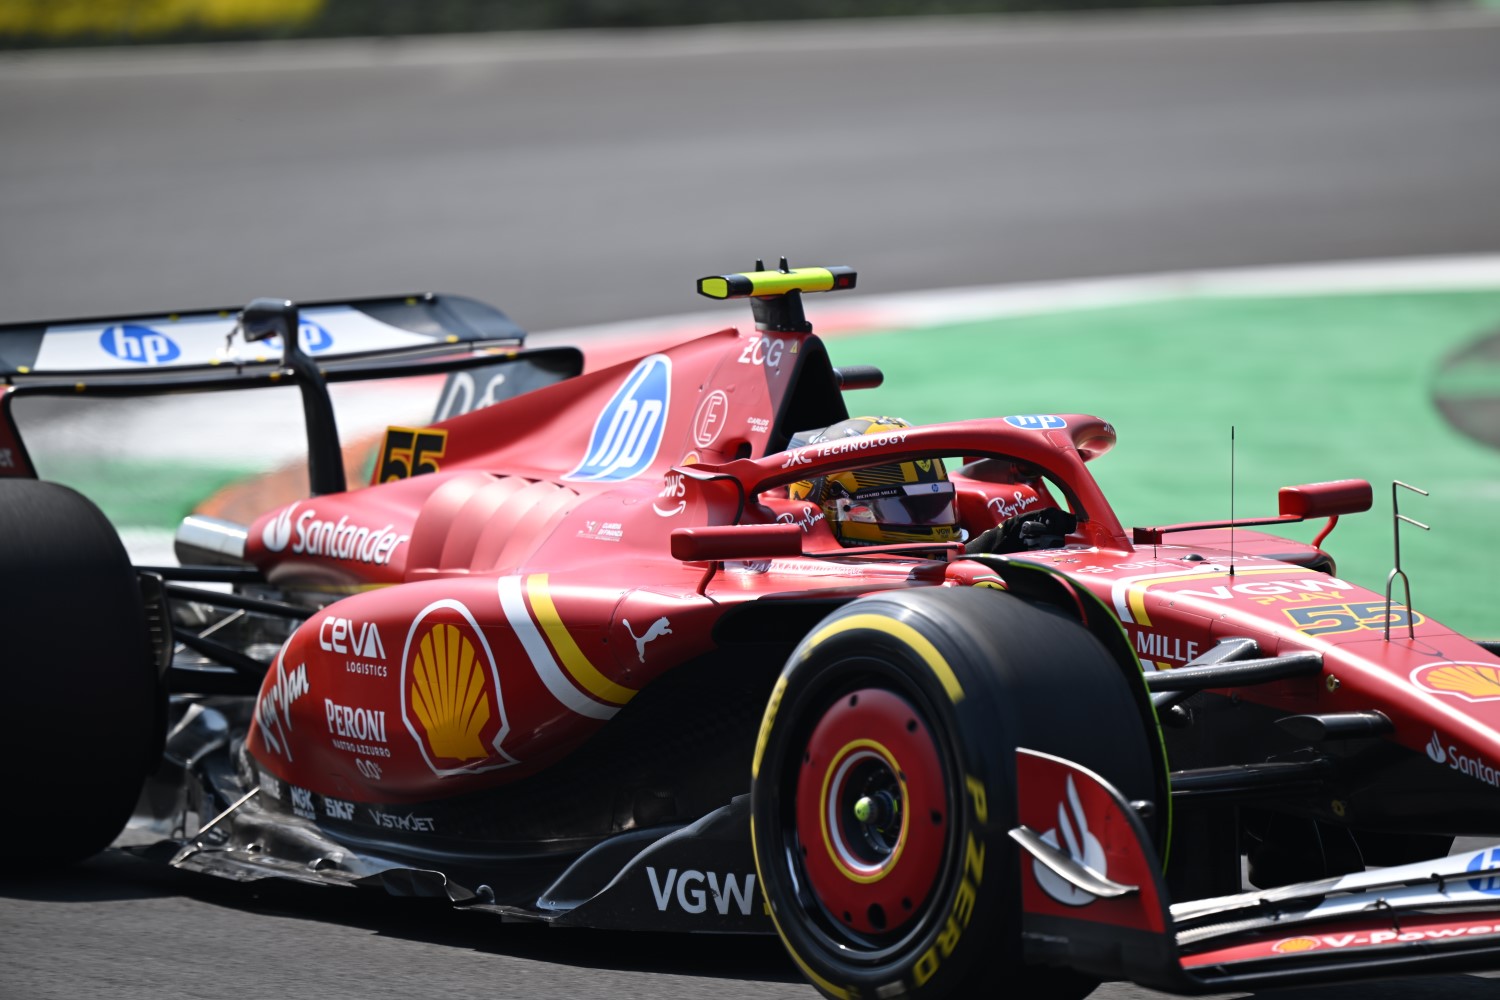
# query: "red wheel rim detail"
[872,811]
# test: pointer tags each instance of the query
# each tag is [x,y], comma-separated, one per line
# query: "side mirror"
[736,541]
[1343,496]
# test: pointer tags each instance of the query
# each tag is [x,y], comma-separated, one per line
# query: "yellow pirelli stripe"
[766,283]
[819,981]
[898,630]
[573,659]
[766,721]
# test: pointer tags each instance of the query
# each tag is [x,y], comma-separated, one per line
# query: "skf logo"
[628,433]
[139,345]
[450,692]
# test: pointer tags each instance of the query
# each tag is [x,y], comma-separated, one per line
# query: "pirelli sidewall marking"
[900,631]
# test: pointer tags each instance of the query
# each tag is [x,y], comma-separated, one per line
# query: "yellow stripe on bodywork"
[897,630]
[573,659]
[1136,596]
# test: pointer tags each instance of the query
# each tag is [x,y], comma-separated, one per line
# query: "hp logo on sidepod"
[629,430]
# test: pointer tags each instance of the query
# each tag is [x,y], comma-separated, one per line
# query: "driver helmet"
[910,501]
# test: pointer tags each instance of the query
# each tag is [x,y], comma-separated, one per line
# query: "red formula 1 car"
[578,657]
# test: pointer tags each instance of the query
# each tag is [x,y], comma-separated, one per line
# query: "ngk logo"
[341,635]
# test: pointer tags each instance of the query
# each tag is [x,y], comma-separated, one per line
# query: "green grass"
[141,494]
[1317,388]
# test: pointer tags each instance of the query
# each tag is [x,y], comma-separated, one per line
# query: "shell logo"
[1473,682]
[1293,945]
[450,692]
[447,693]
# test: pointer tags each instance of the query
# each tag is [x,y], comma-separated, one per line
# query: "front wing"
[1094,899]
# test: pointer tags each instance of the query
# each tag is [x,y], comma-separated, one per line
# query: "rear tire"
[883,787]
[79,715]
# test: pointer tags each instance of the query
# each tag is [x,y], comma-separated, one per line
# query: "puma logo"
[658,628]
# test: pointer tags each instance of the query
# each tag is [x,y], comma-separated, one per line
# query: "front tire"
[79,716]
[883,787]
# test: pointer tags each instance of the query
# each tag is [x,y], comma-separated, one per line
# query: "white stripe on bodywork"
[514,605]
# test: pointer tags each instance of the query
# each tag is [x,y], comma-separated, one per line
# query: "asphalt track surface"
[592,178]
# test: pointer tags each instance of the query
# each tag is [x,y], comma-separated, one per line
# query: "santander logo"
[1435,749]
[278,531]
[1072,836]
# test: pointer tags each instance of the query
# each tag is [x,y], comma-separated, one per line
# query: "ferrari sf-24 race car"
[578,656]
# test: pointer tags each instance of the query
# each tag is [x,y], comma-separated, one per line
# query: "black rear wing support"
[265,318]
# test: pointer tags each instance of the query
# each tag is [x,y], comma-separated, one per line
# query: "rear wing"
[276,342]
[174,343]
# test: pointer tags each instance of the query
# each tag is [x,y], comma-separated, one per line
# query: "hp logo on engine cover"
[629,429]
[139,344]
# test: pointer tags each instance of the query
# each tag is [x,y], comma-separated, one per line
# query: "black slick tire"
[79,715]
[883,787]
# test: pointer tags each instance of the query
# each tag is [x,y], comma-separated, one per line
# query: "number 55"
[410,451]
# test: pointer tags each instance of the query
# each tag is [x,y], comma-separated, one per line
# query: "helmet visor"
[916,503]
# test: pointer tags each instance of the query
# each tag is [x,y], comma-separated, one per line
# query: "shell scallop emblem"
[450,692]
[1294,945]
[1473,682]
[447,694]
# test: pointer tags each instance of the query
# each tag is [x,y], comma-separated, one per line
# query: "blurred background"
[112,22]
[580,162]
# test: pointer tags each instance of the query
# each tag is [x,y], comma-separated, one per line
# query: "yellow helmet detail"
[910,501]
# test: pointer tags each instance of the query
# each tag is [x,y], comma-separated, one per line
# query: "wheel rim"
[871,813]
